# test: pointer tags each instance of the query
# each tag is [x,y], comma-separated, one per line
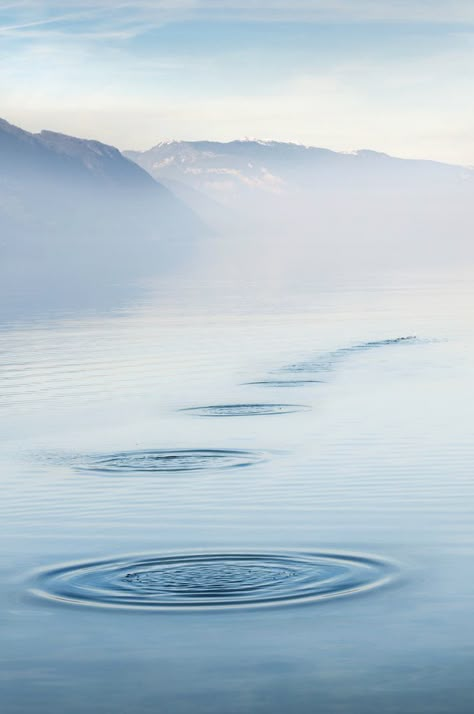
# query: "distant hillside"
[244,168]
[299,212]
[74,212]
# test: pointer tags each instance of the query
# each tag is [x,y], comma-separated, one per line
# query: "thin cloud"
[149,13]
[7,29]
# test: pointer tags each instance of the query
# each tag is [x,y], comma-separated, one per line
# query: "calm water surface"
[315,556]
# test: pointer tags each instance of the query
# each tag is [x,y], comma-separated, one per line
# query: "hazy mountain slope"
[74,213]
[102,162]
[55,157]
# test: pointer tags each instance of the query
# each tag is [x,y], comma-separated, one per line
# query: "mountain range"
[312,211]
[78,216]
[308,210]
[223,171]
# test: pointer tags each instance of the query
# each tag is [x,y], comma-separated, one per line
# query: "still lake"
[235,501]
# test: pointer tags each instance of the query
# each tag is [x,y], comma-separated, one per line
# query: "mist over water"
[86,230]
[236,463]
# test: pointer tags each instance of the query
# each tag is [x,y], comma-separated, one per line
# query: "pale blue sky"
[393,75]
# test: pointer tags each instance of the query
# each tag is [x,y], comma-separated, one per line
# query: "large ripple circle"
[211,580]
[162,460]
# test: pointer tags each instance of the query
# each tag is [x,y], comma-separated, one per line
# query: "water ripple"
[158,460]
[327,361]
[284,382]
[211,580]
[230,410]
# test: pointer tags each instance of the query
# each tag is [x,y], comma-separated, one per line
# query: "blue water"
[311,554]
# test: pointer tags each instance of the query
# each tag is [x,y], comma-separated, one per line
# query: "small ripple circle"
[233,410]
[284,382]
[211,580]
[162,460]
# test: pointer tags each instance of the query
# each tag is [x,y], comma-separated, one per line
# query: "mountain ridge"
[224,170]
[296,147]
[48,153]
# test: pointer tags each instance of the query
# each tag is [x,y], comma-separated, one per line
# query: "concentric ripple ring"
[211,580]
[284,382]
[161,460]
[231,410]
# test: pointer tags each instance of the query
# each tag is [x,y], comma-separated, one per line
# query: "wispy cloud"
[46,22]
[421,109]
[142,15]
